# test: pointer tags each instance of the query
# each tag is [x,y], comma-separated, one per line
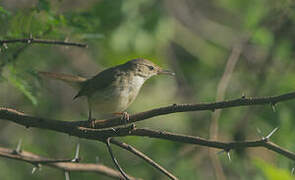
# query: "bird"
[114,89]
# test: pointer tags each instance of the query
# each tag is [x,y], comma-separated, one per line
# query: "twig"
[42,41]
[144,157]
[222,86]
[59,164]
[115,160]
[221,90]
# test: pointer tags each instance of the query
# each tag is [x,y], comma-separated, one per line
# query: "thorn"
[37,167]
[273,106]
[66,40]
[227,152]
[34,170]
[271,133]
[228,155]
[259,132]
[76,158]
[114,130]
[125,117]
[133,126]
[5,45]
[67,175]
[292,171]
[18,147]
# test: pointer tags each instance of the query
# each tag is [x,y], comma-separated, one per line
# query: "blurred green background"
[194,38]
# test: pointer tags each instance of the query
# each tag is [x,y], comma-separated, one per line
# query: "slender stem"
[42,41]
[220,94]
[115,160]
[143,156]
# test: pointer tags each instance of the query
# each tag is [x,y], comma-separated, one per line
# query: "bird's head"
[146,69]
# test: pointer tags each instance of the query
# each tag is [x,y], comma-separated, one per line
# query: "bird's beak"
[167,72]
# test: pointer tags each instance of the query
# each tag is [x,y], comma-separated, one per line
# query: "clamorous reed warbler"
[114,89]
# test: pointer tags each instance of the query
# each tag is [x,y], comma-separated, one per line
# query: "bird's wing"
[99,82]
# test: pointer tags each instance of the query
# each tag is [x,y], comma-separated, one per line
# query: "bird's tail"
[74,81]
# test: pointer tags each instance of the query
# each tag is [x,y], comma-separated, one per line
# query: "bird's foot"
[124,116]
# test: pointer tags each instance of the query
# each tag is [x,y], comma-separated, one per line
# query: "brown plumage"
[115,88]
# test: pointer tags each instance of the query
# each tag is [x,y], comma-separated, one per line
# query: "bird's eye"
[151,68]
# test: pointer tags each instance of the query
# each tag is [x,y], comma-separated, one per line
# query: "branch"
[101,134]
[42,41]
[67,166]
[144,157]
[272,100]
[115,160]
[227,146]
[13,115]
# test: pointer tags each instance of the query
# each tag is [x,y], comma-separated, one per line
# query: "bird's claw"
[124,116]
[92,122]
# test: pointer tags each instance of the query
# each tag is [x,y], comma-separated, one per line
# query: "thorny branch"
[101,134]
[243,101]
[65,165]
[42,41]
[81,128]
[72,126]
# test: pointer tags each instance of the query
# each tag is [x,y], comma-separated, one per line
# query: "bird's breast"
[131,88]
[119,96]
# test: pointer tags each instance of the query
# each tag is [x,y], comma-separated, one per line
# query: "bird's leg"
[124,116]
[90,115]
